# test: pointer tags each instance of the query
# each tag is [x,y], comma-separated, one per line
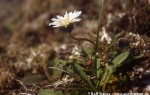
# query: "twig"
[24,87]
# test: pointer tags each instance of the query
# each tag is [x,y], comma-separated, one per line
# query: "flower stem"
[99,22]
[83,39]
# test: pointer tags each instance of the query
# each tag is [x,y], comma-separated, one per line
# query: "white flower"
[76,52]
[68,18]
[104,36]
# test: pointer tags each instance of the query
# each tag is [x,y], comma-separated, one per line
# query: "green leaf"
[132,58]
[79,71]
[117,62]
[49,92]
[115,39]
[87,52]
[108,72]
[119,34]
[53,61]
[120,59]
[97,67]
[138,56]
[97,70]
[33,79]
[76,87]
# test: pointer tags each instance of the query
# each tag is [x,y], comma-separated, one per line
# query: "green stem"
[100,15]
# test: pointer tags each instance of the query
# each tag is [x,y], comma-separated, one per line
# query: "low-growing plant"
[93,71]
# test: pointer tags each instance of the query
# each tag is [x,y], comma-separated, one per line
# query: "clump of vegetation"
[107,51]
[91,70]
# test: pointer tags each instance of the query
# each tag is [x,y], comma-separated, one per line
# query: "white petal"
[76,19]
[65,20]
[54,19]
[77,14]
[60,17]
[50,24]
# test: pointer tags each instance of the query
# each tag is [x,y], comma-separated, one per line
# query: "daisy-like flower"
[68,18]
